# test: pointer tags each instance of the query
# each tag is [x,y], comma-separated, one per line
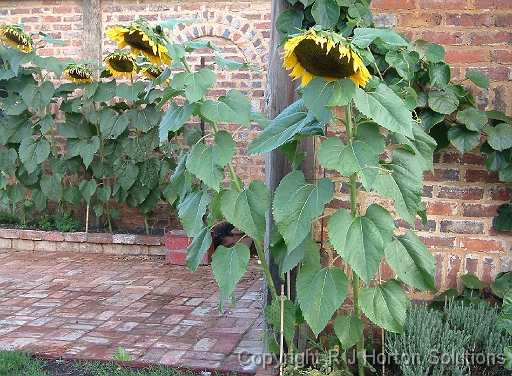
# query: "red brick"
[443,4]
[466,55]
[421,20]
[393,4]
[439,242]
[461,226]
[460,193]
[501,56]
[481,176]
[495,73]
[438,280]
[503,20]
[493,4]
[453,38]
[8,233]
[488,38]
[443,174]
[453,271]
[479,210]
[441,208]
[468,20]
[471,266]
[482,245]
[500,193]
[488,269]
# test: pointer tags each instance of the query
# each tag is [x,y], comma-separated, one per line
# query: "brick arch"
[250,42]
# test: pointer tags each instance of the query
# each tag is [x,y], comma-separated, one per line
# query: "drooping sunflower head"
[323,54]
[142,39]
[78,73]
[121,64]
[15,36]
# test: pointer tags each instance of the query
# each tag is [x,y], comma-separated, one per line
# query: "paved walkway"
[75,305]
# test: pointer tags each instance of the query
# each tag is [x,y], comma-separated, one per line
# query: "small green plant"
[14,363]
[63,222]
[459,340]
[6,217]
[121,355]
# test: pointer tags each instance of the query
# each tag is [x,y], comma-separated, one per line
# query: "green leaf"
[412,261]
[505,322]
[473,118]
[289,259]
[297,203]
[479,79]
[273,317]
[170,23]
[16,192]
[363,37]
[149,172]
[234,107]
[498,115]
[361,240]
[472,282]
[320,94]
[33,152]
[39,199]
[325,13]
[422,146]
[72,195]
[126,172]
[320,292]
[246,210]
[463,139]
[289,21]
[195,84]
[208,163]
[145,118]
[500,136]
[112,124]
[130,92]
[443,101]
[349,330]
[386,305]
[88,189]
[403,183]
[105,92]
[198,248]
[435,53]
[38,97]
[354,157]
[51,186]
[286,125]
[385,108]
[440,74]
[191,211]
[503,286]
[75,126]
[429,118]
[175,117]
[404,62]
[228,266]
[508,357]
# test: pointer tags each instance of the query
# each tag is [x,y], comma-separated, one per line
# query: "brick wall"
[461,195]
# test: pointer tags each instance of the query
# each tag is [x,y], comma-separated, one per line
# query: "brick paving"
[85,306]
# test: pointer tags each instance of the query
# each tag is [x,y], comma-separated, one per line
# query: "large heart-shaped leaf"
[175,117]
[126,172]
[325,13]
[273,317]
[422,145]
[386,305]
[228,266]
[281,129]
[208,162]
[320,293]
[149,172]
[52,187]
[412,261]
[198,248]
[144,118]
[499,137]
[361,240]
[385,108]
[363,37]
[33,152]
[191,211]
[297,203]
[38,97]
[130,92]
[463,139]
[349,330]
[87,189]
[473,118]
[246,210]
[234,107]
[112,124]
[403,183]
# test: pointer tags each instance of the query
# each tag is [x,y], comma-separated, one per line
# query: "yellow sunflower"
[323,54]
[151,72]
[78,73]
[15,36]
[121,64]
[142,39]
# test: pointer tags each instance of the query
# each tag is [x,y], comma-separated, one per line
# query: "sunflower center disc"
[122,65]
[135,40]
[315,59]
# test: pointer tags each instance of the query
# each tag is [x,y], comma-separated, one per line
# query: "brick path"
[76,305]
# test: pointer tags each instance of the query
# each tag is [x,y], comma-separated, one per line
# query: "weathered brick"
[5,243]
[479,210]
[453,271]
[482,245]
[453,38]
[468,19]
[492,4]
[460,193]
[495,73]
[500,193]
[471,265]
[441,208]
[392,4]
[443,174]
[439,242]
[490,38]
[441,4]
[419,20]
[22,245]
[489,269]
[466,55]
[461,226]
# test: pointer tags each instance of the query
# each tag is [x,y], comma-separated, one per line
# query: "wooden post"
[92,35]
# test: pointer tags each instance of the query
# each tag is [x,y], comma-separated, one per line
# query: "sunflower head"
[15,36]
[78,73]
[323,54]
[121,64]
[142,39]
[152,72]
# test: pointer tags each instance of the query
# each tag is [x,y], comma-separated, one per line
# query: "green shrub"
[460,340]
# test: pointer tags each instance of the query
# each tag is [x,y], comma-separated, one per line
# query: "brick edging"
[113,244]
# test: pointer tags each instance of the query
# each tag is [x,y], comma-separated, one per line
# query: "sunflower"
[142,39]
[121,64]
[323,54]
[151,72]
[15,36]
[78,73]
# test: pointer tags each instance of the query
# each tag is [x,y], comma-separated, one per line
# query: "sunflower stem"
[356,282]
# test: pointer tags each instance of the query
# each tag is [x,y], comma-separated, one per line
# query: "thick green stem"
[356,281]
